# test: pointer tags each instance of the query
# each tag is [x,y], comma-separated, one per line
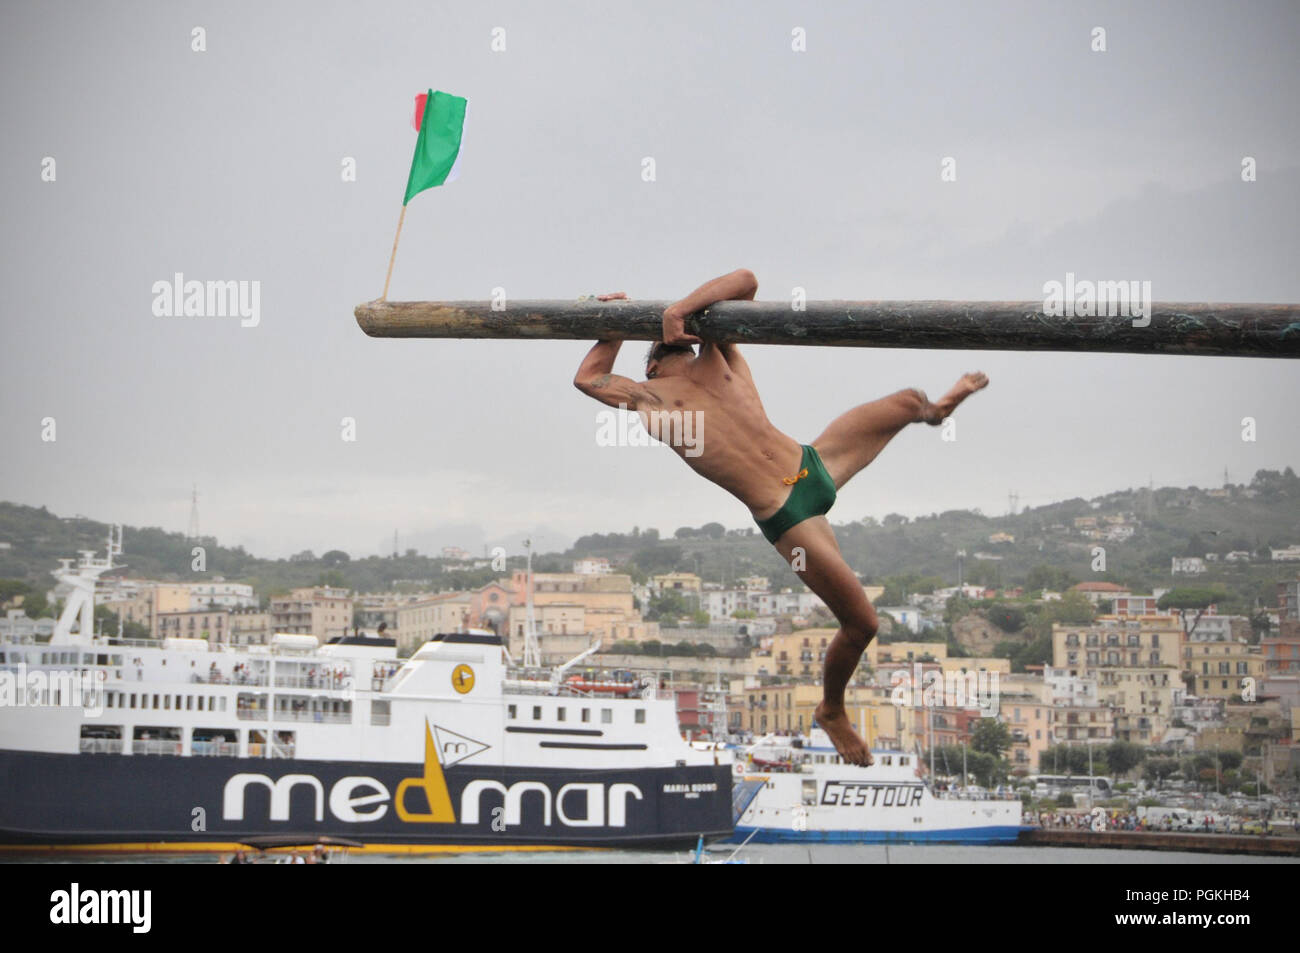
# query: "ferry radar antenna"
[81,580]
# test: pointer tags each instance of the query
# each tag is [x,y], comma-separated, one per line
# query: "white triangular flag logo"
[453,748]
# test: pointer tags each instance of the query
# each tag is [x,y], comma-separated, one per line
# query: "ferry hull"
[994,834]
[102,800]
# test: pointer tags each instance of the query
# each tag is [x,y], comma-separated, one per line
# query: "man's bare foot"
[968,384]
[847,741]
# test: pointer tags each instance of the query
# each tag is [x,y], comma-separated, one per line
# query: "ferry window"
[809,792]
[559,713]
[223,703]
[108,700]
[640,716]
[586,715]
[200,702]
[606,716]
[537,713]
[902,759]
[510,712]
[133,699]
[189,702]
[155,702]
[167,701]
[887,759]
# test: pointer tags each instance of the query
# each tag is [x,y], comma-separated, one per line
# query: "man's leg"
[855,438]
[814,554]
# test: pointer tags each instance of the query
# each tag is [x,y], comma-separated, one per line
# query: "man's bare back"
[738,448]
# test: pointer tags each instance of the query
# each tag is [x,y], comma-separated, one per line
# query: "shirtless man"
[787,487]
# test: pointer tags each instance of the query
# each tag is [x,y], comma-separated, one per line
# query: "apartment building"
[1218,668]
[322,611]
[209,624]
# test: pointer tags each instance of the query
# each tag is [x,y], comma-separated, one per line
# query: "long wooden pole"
[393,257]
[1240,330]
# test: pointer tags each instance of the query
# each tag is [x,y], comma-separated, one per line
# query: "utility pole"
[532,653]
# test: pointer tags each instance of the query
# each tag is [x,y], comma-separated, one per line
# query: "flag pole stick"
[391,258]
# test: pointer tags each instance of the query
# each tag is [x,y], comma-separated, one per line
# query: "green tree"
[1052,578]
[1006,617]
[1189,599]
[1073,609]
[1122,757]
[669,604]
[991,737]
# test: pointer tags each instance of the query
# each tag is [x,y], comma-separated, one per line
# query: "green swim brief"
[811,495]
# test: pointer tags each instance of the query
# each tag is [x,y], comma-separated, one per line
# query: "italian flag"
[440,119]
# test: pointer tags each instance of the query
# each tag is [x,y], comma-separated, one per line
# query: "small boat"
[807,793]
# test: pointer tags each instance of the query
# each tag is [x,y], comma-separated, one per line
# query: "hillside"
[921,552]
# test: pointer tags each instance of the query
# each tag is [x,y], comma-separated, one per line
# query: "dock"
[1258,845]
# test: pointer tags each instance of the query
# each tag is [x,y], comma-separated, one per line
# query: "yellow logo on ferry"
[462,679]
[433,784]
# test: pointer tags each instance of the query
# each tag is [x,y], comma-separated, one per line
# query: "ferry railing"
[221,678]
[251,714]
[215,749]
[158,746]
[327,717]
[101,745]
[325,682]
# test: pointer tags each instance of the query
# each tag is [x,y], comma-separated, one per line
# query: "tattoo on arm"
[602,381]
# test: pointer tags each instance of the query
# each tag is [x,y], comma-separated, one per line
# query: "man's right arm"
[596,379]
[739,285]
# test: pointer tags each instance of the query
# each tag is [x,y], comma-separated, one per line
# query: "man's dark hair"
[659,350]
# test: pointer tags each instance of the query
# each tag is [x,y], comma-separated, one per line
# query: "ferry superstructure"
[194,745]
[807,793]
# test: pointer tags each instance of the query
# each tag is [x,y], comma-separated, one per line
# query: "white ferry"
[188,745]
[806,793]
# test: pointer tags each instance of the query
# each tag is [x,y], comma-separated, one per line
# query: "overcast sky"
[817,169]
